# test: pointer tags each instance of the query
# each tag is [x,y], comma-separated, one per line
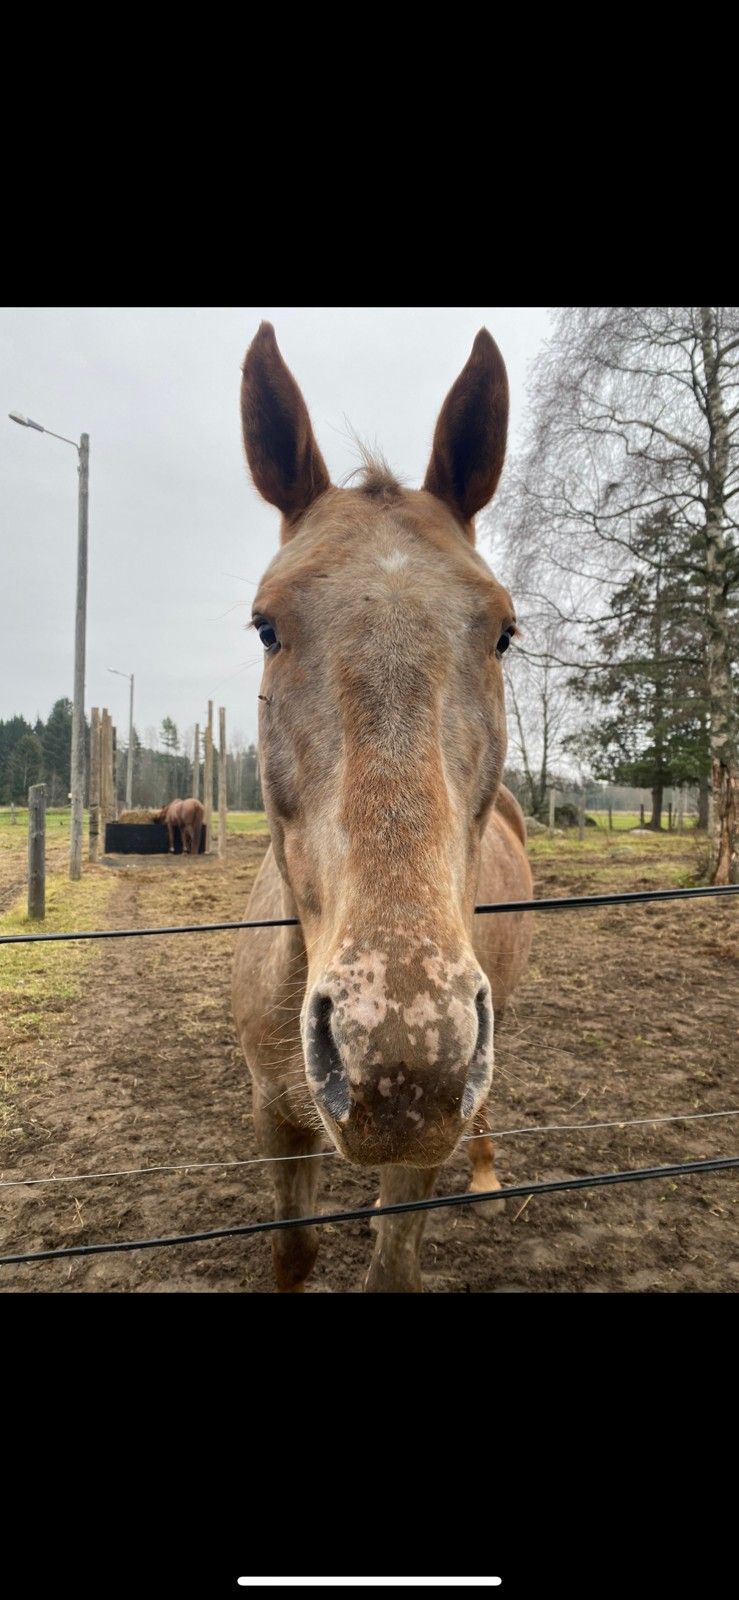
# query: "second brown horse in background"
[187,815]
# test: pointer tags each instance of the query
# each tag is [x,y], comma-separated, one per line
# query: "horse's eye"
[267,636]
[502,644]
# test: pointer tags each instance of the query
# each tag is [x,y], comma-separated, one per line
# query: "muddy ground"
[623,1014]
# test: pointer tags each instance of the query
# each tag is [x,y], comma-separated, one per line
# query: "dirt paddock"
[623,1014]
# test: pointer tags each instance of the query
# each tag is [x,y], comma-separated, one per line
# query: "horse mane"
[377,480]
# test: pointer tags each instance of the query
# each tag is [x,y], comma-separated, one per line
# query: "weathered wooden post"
[580,821]
[103,775]
[114,770]
[196,763]
[681,808]
[208,780]
[37,850]
[107,795]
[12,812]
[641,815]
[221,781]
[94,782]
[552,793]
[610,818]
[669,816]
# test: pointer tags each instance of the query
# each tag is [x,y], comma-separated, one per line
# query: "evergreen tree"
[26,767]
[11,732]
[170,738]
[57,746]
[652,684]
[251,786]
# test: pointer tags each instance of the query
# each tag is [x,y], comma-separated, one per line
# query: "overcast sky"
[175,522]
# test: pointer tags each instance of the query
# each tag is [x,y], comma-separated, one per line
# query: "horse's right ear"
[284,459]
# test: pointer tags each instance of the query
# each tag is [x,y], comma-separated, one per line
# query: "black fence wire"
[561,903]
[363,1213]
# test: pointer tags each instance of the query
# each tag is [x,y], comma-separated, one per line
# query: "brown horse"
[382,742]
[187,815]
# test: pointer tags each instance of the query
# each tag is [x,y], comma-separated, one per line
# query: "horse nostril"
[484,1020]
[326,1073]
[479,1064]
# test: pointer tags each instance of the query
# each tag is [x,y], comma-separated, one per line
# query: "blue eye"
[267,636]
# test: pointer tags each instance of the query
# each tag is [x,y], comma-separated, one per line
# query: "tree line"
[41,752]
[617,534]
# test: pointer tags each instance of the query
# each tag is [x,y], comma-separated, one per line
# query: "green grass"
[14,836]
[622,860]
[247,822]
[40,983]
[623,820]
[57,822]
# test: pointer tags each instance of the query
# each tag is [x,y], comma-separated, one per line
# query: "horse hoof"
[489,1210]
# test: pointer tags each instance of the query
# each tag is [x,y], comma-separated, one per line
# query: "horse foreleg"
[395,1265]
[484,1176]
[294,1250]
[170,831]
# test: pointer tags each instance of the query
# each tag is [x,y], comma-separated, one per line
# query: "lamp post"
[129,763]
[78,703]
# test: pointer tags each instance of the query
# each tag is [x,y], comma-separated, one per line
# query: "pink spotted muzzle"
[399,1090]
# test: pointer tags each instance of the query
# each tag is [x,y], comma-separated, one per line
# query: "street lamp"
[129,763]
[78,704]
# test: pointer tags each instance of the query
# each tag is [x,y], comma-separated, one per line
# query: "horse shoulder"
[509,809]
[502,943]
[265,959]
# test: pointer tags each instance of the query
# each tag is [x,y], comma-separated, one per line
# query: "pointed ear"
[470,438]
[284,459]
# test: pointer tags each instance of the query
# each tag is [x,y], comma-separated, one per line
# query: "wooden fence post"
[669,816]
[108,808]
[94,782]
[552,793]
[208,780]
[104,776]
[580,821]
[681,808]
[610,819]
[37,851]
[114,770]
[221,781]
[196,763]
[641,815]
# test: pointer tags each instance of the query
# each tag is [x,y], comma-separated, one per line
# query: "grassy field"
[623,820]
[247,822]
[603,860]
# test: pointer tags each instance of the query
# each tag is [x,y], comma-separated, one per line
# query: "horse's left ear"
[470,438]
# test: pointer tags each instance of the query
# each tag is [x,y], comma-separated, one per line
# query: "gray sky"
[174,518]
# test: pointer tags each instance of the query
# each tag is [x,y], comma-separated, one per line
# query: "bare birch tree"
[636,410]
[542,706]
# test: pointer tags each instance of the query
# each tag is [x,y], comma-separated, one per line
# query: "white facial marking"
[392,562]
